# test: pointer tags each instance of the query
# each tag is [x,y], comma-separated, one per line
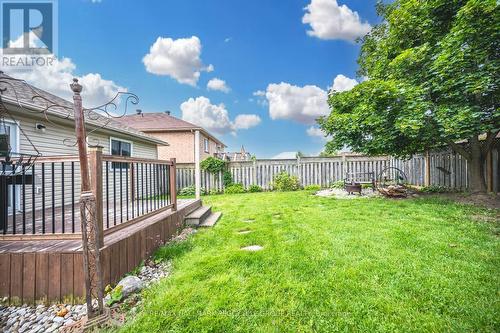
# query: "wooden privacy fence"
[446,169]
[310,170]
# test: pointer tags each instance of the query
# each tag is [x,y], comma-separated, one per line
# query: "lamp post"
[90,228]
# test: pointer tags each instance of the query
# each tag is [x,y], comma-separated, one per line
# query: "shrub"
[435,189]
[254,189]
[234,189]
[214,192]
[312,187]
[338,184]
[284,182]
[213,165]
[189,191]
[227,178]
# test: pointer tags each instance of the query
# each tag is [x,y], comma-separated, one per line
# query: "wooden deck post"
[173,186]
[95,165]
[90,230]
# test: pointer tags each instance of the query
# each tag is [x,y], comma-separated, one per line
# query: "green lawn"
[371,265]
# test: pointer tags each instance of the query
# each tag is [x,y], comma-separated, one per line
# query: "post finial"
[76,87]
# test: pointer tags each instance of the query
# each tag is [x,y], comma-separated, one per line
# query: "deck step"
[211,220]
[198,216]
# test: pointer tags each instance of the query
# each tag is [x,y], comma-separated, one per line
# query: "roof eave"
[34,107]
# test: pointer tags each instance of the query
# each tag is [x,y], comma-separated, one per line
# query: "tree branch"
[459,149]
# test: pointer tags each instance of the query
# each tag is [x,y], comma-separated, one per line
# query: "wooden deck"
[67,219]
[51,271]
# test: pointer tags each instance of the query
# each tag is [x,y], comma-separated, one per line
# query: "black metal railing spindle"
[107,194]
[53,184]
[121,191]
[33,203]
[137,187]
[63,226]
[126,188]
[72,197]
[147,192]
[24,198]
[114,193]
[13,205]
[43,198]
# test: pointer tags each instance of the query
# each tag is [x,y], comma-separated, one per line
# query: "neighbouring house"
[236,156]
[179,133]
[136,210]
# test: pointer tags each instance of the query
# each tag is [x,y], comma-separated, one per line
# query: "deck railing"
[44,199]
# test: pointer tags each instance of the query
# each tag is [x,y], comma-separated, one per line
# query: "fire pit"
[353,187]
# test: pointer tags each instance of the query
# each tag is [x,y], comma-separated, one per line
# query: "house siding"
[54,142]
[212,147]
[58,139]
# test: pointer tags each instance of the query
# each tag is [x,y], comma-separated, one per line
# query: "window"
[206,145]
[120,148]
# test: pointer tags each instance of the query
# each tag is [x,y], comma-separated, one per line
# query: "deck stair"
[202,217]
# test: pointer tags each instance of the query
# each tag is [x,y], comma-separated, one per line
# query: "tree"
[432,80]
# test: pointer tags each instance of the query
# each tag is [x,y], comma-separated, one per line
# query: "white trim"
[17,127]
[197,174]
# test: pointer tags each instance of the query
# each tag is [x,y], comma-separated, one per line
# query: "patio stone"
[252,248]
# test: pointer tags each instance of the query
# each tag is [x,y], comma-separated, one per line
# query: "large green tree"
[432,76]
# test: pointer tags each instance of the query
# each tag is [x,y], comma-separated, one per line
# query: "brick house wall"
[181,146]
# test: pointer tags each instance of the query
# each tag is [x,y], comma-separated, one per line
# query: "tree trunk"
[475,163]
[475,169]
[477,183]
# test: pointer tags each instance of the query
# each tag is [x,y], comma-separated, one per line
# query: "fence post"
[95,165]
[173,187]
[489,171]
[299,173]
[427,175]
[254,172]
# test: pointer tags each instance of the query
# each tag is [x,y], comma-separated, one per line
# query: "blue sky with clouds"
[252,72]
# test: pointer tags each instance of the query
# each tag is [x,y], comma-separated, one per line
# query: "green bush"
[189,191]
[284,182]
[234,189]
[435,189]
[227,178]
[213,165]
[338,184]
[312,187]
[214,192]
[254,189]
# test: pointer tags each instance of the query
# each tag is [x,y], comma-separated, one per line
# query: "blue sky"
[250,45]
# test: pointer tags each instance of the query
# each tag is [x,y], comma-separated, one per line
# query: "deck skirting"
[51,271]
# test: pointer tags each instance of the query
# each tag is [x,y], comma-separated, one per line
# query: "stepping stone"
[252,248]
[249,220]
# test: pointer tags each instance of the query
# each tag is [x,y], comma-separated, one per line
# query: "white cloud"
[343,83]
[228,39]
[315,131]
[286,155]
[179,59]
[328,20]
[56,79]
[218,84]
[245,121]
[301,104]
[215,118]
